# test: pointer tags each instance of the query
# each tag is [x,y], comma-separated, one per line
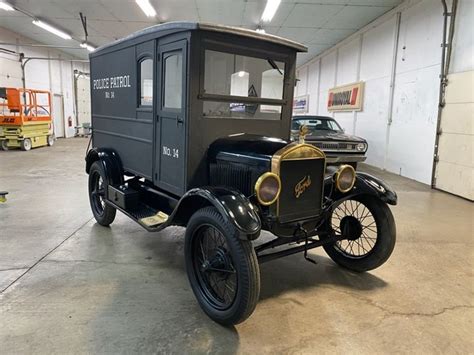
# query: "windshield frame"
[236,49]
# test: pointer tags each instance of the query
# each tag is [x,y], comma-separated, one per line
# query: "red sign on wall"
[346,98]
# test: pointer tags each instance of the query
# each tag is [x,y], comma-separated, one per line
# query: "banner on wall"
[346,98]
[300,104]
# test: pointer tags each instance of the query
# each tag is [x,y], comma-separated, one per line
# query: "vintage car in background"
[326,134]
[191,128]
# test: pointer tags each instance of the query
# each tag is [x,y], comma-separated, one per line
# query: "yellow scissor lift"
[25,118]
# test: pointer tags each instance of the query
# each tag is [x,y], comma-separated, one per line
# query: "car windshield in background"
[316,124]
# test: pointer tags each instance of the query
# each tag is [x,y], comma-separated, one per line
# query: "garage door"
[83,100]
[455,169]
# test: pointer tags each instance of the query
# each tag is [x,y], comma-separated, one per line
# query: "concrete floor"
[69,285]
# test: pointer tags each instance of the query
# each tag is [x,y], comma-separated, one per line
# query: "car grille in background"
[308,204]
[335,146]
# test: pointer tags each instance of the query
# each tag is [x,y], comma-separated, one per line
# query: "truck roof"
[179,26]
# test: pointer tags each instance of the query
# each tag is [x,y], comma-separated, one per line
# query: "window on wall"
[146,82]
[173,80]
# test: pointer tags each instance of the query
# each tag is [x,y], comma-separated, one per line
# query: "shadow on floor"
[295,273]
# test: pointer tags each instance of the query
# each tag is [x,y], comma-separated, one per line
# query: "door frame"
[63,122]
[162,48]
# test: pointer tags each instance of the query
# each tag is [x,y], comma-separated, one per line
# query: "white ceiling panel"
[318,23]
[221,11]
[327,36]
[355,17]
[252,13]
[298,34]
[125,11]
[307,15]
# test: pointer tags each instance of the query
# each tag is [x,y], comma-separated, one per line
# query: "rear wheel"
[103,213]
[370,229]
[222,269]
[25,144]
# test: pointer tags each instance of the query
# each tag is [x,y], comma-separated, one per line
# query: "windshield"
[240,76]
[316,124]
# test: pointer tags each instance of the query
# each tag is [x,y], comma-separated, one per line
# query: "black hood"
[249,145]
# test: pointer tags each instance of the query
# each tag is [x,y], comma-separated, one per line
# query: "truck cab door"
[170,127]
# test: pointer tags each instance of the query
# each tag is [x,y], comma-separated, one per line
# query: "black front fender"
[365,184]
[232,205]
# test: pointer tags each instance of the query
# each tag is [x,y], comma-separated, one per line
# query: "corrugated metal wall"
[399,124]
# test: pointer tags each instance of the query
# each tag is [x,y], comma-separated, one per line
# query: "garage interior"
[69,285]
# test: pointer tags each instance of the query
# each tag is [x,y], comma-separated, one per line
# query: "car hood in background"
[331,136]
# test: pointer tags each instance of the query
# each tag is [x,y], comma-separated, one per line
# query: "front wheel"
[368,224]
[222,269]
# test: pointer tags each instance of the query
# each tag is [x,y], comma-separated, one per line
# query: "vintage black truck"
[191,126]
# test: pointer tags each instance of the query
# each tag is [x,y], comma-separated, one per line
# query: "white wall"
[53,75]
[401,138]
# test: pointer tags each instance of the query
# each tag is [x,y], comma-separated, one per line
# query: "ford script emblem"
[302,185]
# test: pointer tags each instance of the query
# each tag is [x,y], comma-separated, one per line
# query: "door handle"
[179,120]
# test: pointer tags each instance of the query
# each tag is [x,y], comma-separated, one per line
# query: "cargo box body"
[151,105]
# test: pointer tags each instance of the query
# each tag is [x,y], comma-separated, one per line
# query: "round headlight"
[345,178]
[361,147]
[267,188]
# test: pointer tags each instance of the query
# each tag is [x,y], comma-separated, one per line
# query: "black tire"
[103,213]
[236,257]
[25,144]
[376,248]
[4,145]
[50,140]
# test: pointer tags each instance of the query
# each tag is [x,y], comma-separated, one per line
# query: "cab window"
[146,82]
[173,80]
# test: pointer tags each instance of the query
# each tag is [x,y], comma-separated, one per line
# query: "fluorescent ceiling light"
[260,30]
[270,10]
[87,46]
[6,7]
[51,29]
[146,7]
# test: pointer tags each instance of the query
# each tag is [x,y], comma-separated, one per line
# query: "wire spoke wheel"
[215,269]
[354,220]
[222,267]
[368,228]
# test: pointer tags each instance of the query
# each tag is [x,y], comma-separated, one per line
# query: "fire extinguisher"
[69,121]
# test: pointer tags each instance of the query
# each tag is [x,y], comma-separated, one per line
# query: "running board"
[149,218]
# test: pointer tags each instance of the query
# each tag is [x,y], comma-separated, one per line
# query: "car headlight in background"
[345,178]
[361,147]
[267,188]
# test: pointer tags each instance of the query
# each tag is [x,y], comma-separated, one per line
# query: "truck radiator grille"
[308,203]
[237,176]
